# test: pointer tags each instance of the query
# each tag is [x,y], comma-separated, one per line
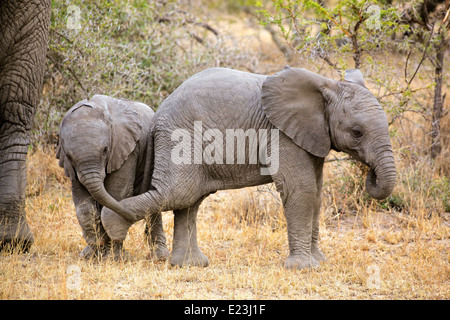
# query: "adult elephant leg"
[14,230]
[185,247]
[24,27]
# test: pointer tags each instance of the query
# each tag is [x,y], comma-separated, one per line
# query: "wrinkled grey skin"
[104,150]
[24,27]
[314,114]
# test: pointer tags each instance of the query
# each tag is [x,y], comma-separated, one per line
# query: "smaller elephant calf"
[105,150]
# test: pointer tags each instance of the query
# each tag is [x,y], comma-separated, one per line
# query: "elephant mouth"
[380,183]
[380,179]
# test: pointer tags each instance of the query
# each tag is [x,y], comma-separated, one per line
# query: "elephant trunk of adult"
[380,180]
[94,183]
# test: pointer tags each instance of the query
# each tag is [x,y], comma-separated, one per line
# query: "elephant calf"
[105,151]
[307,115]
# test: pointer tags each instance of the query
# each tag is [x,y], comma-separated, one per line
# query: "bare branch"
[406,66]
[204,25]
[401,92]
[423,56]
[74,76]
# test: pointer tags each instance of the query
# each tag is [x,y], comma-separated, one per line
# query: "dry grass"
[372,253]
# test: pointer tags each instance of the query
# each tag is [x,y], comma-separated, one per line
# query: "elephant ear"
[355,76]
[294,102]
[126,129]
[64,162]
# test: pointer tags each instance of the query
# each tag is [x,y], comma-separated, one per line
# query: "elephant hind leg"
[185,247]
[156,238]
[169,196]
[139,207]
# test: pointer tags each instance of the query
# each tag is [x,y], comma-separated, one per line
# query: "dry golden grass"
[372,253]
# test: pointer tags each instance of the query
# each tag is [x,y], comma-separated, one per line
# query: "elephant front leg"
[299,187]
[299,210]
[315,251]
[185,247]
[14,230]
[88,216]
[117,227]
[156,238]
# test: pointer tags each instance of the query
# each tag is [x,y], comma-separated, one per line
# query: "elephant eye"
[105,150]
[356,133]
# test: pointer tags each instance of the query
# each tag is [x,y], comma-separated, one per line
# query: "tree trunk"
[436,146]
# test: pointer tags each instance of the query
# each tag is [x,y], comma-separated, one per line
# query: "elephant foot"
[16,245]
[117,252]
[94,252]
[158,253]
[15,238]
[183,258]
[110,251]
[88,253]
[301,262]
[317,254]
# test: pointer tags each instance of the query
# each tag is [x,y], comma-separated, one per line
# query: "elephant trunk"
[380,180]
[94,183]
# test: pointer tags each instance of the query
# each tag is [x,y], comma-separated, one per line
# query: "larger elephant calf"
[311,115]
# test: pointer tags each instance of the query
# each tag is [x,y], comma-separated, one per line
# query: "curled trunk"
[380,180]
[95,185]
